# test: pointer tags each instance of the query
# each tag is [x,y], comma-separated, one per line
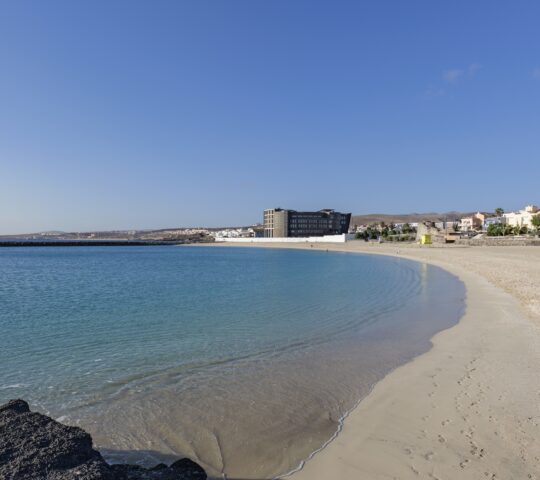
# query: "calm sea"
[244,359]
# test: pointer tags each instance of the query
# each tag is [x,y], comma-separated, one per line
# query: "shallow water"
[244,359]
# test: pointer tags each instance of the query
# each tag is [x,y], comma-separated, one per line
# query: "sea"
[246,360]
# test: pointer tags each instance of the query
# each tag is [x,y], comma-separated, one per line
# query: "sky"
[136,114]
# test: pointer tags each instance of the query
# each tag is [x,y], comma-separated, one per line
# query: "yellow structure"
[425,239]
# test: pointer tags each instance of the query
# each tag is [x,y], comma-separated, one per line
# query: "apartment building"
[280,222]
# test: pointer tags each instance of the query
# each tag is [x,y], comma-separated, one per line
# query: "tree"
[406,228]
[508,229]
[495,230]
[517,229]
[536,221]
[361,235]
[499,212]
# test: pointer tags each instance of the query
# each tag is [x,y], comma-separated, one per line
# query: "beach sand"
[470,407]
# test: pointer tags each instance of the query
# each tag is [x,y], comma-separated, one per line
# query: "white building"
[234,233]
[522,218]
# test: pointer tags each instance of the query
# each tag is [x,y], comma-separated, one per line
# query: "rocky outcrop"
[36,447]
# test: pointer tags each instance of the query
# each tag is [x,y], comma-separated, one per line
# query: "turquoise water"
[244,359]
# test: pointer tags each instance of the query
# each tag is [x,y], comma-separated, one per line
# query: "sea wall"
[500,241]
[325,239]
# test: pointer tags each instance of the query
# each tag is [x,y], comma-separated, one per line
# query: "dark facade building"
[290,223]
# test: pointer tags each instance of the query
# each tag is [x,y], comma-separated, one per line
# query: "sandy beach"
[470,407]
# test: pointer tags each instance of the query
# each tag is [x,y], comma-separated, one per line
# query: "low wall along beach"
[344,237]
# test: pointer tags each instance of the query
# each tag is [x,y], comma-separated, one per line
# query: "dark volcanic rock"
[36,447]
[17,406]
[188,467]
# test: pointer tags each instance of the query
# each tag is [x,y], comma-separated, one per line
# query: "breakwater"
[90,243]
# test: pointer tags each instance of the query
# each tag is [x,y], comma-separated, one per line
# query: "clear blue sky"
[159,114]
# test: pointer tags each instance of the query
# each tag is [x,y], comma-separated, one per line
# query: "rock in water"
[36,447]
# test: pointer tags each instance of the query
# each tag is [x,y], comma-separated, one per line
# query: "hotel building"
[290,223]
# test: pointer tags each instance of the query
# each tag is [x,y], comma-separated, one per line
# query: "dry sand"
[470,407]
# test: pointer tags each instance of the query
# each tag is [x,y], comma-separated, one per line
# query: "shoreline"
[467,408]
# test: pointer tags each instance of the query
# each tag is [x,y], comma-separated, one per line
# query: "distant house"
[492,221]
[249,232]
[474,222]
[522,218]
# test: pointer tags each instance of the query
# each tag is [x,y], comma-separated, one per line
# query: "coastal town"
[281,223]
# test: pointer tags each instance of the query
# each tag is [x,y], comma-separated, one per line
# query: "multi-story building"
[523,218]
[474,222]
[279,222]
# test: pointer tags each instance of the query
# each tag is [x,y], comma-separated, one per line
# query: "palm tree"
[499,212]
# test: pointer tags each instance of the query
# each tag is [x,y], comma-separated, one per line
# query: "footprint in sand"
[416,472]
[476,451]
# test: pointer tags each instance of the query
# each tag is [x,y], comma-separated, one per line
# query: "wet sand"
[470,407]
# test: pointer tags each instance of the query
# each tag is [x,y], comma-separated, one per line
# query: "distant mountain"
[408,217]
